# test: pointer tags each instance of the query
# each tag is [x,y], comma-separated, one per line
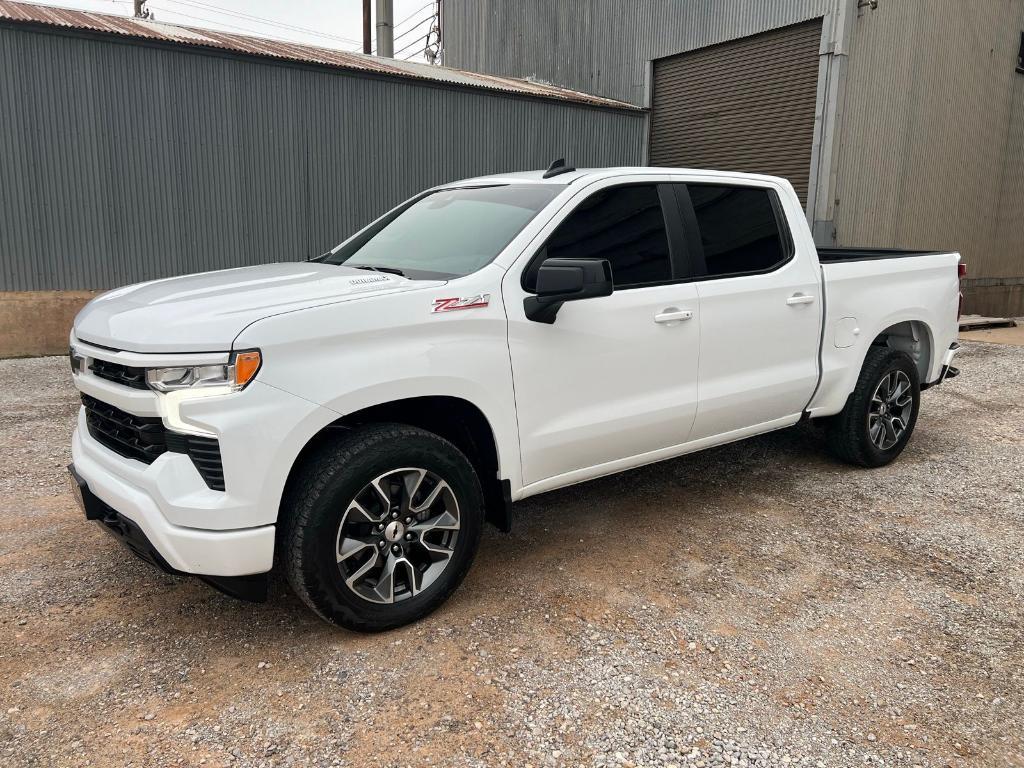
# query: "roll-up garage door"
[742,105]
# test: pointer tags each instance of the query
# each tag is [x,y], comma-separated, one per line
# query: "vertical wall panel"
[932,150]
[123,162]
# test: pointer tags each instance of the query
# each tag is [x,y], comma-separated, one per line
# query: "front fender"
[354,355]
[502,426]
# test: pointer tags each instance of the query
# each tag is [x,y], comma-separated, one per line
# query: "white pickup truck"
[358,417]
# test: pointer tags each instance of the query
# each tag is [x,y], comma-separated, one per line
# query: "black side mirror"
[562,280]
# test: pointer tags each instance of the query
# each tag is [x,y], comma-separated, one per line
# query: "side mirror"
[562,280]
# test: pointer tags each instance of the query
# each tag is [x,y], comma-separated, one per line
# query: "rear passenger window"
[622,224]
[739,229]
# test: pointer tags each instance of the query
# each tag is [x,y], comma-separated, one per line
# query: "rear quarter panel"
[864,298]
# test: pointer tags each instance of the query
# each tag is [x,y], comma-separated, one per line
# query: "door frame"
[681,255]
[513,288]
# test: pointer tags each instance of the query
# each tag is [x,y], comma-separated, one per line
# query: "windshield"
[448,233]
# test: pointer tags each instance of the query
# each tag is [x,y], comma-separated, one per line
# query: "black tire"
[848,434]
[323,491]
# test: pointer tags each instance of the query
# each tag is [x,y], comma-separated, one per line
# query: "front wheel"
[382,527]
[879,417]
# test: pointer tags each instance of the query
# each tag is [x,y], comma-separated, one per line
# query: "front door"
[613,378]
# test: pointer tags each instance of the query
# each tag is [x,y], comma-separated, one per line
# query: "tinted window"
[738,228]
[448,233]
[624,225]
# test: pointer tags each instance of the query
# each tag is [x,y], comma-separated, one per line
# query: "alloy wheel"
[890,409]
[397,535]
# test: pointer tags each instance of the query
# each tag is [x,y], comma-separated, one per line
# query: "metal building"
[132,150]
[900,122]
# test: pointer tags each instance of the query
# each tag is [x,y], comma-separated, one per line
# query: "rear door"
[613,378]
[760,307]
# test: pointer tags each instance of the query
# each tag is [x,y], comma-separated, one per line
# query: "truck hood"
[205,312]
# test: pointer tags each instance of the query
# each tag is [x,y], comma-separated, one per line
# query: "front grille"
[135,437]
[144,438]
[119,374]
[205,454]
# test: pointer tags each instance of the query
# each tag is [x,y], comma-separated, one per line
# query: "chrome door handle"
[799,298]
[673,315]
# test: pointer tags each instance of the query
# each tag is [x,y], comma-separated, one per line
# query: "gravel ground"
[753,605]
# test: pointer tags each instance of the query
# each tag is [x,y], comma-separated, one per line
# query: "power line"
[205,22]
[414,13]
[415,27]
[414,42]
[261,20]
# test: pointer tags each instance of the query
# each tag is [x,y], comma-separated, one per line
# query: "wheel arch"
[915,337]
[456,419]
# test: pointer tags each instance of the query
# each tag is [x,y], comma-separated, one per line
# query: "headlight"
[233,376]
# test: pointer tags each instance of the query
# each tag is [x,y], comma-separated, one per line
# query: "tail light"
[961,270]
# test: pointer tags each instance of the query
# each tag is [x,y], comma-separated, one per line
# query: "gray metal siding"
[124,162]
[602,46]
[746,105]
[932,151]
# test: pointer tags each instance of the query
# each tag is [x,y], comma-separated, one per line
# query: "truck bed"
[834,255]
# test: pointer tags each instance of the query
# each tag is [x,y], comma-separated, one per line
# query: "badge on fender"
[471,302]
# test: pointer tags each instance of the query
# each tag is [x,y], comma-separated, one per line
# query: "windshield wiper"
[389,270]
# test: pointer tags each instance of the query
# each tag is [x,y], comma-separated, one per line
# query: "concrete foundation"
[36,323]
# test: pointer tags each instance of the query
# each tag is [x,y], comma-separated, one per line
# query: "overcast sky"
[327,23]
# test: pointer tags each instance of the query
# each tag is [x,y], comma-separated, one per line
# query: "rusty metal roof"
[146,29]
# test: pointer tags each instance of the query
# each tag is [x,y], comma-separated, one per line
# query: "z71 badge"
[472,302]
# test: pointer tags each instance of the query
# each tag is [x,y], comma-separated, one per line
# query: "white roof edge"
[537,176]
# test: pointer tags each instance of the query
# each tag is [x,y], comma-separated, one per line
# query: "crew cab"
[357,418]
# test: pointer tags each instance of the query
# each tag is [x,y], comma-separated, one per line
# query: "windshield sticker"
[471,302]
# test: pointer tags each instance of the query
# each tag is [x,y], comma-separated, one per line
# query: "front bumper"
[251,586]
[138,493]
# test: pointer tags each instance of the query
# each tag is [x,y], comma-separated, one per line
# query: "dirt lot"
[757,604]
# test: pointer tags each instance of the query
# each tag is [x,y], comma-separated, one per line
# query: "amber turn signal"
[246,366]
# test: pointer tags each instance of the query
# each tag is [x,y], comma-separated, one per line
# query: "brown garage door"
[743,105]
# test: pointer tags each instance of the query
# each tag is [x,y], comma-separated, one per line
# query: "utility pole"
[139,9]
[385,28]
[367,47]
[434,49]
[440,35]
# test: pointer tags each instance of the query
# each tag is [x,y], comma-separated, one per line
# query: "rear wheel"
[879,417]
[383,526]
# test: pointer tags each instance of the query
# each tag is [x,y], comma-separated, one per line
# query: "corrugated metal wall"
[602,46]
[745,105]
[932,151]
[122,162]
